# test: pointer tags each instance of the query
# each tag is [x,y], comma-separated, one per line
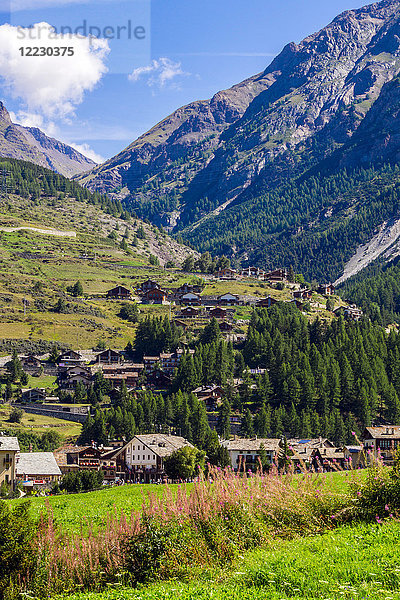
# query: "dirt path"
[55,232]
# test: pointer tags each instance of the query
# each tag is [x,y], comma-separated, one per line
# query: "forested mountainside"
[31,144]
[316,379]
[377,291]
[274,170]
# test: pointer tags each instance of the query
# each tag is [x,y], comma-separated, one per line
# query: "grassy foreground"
[357,562]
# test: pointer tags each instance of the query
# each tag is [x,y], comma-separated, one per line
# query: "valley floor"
[351,562]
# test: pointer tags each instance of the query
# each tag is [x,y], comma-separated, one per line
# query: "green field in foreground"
[74,510]
[358,562]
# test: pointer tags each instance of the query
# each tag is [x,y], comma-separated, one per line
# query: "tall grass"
[178,534]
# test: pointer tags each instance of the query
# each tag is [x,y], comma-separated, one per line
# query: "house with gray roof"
[37,470]
[141,459]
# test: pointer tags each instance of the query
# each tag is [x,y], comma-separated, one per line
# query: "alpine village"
[200,344]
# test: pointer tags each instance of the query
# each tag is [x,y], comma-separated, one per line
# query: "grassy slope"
[37,424]
[59,265]
[357,562]
[75,511]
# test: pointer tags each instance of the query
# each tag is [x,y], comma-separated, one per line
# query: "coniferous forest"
[314,379]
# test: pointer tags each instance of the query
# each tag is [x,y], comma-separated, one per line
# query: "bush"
[16,415]
[17,555]
[184,463]
[129,312]
[378,496]
[82,481]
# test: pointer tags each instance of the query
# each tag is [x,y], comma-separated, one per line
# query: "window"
[144,457]
[148,457]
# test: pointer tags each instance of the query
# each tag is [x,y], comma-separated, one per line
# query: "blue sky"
[178,51]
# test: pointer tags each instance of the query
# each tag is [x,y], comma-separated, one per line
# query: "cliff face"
[31,144]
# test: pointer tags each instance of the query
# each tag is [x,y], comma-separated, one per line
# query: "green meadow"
[350,563]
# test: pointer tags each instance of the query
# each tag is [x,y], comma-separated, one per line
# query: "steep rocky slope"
[288,165]
[31,144]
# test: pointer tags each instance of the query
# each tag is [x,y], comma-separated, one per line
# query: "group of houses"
[72,368]
[193,304]
[141,459]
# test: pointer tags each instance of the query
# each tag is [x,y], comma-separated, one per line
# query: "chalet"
[150,363]
[303,453]
[302,294]
[170,361]
[353,313]
[244,453]
[159,380]
[187,287]
[148,285]
[190,299]
[118,379]
[381,441]
[326,289]
[33,395]
[228,300]
[142,458]
[37,470]
[266,302]
[208,390]
[226,273]
[226,326]
[328,459]
[109,357]
[218,312]
[167,362]
[190,312]
[69,359]
[253,272]
[118,375]
[119,293]
[69,378]
[277,275]
[155,296]
[76,458]
[31,364]
[355,456]
[9,449]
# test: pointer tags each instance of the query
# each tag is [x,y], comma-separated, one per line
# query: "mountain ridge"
[210,168]
[31,144]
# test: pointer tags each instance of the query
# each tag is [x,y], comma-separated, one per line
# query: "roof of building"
[60,454]
[389,431]
[9,444]
[243,444]
[37,463]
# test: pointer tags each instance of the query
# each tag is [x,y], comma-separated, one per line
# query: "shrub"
[184,463]
[378,495]
[17,554]
[16,415]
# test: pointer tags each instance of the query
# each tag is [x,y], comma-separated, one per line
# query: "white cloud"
[159,73]
[86,150]
[50,86]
